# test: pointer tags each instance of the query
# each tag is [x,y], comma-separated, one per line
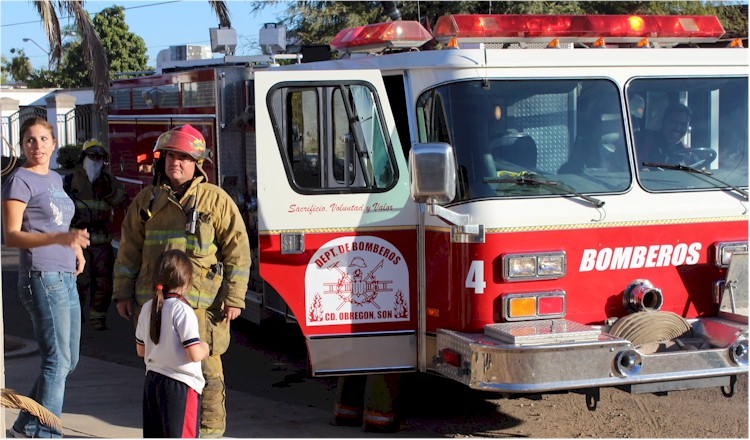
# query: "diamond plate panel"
[232,138]
[545,119]
[541,332]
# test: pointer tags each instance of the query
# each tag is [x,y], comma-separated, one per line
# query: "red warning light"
[381,36]
[577,28]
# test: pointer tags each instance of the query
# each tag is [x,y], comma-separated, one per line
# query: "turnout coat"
[218,247]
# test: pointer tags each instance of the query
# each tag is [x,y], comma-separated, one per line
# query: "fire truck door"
[337,227]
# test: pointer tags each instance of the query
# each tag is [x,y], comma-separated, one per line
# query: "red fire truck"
[509,201]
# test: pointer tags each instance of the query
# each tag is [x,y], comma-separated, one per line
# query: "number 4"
[475,277]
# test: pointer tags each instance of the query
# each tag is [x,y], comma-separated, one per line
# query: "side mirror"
[432,168]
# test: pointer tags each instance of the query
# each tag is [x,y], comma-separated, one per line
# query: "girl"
[36,218]
[167,337]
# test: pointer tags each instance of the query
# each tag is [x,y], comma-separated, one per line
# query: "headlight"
[551,265]
[522,267]
[542,265]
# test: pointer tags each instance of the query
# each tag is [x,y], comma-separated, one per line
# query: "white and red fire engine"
[480,209]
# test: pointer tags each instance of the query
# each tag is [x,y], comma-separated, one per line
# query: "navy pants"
[171,409]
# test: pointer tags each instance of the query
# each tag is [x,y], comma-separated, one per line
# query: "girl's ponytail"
[156,306]
[174,271]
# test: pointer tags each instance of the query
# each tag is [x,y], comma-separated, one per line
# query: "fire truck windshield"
[570,132]
[690,123]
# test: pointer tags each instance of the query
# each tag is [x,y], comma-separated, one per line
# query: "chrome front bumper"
[589,358]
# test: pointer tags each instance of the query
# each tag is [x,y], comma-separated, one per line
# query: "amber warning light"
[475,28]
[381,37]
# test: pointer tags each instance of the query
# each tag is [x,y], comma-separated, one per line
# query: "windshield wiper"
[526,178]
[688,169]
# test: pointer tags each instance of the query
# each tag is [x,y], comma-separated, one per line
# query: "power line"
[70,16]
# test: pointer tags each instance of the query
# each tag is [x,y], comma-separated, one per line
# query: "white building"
[68,110]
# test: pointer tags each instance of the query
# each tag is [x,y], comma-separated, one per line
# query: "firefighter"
[181,210]
[666,144]
[96,194]
[367,401]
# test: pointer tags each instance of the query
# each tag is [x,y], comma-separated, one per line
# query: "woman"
[36,218]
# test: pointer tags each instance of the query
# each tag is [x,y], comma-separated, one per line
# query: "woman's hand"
[80,260]
[75,237]
[14,237]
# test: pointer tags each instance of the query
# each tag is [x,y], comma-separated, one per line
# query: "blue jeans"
[51,298]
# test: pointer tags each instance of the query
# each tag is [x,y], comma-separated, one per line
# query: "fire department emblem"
[356,280]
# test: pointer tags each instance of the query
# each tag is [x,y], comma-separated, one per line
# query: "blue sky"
[161,23]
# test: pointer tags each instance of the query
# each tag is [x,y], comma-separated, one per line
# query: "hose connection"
[641,296]
[628,363]
[739,351]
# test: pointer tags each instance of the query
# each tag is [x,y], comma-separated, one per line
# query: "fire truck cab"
[520,209]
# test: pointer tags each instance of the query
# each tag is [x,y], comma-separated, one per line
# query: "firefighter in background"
[666,145]
[181,210]
[367,401]
[96,194]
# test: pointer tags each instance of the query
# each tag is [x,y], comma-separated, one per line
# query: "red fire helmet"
[184,139]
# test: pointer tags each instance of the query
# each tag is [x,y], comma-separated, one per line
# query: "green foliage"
[69,73]
[4,71]
[69,156]
[42,78]
[126,51]
[19,67]
[317,22]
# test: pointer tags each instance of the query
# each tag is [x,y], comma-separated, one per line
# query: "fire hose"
[12,159]
[651,326]
[10,399]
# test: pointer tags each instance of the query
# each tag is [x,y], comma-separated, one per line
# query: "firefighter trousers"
[215,331]
[95,282]
[368,401]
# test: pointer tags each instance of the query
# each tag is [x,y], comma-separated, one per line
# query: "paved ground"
[103,395]
[103,400]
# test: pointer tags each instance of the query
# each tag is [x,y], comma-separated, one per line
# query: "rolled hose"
[649,326]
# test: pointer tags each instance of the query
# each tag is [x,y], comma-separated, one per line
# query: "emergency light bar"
[477,28]
[381,36]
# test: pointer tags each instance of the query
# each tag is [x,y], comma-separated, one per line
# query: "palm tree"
[93,50]
[92,46]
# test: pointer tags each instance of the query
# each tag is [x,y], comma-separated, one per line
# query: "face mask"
[92,167]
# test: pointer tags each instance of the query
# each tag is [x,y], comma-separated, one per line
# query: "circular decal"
[354,280]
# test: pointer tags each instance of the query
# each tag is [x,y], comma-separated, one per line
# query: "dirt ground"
[704,413]
[269,361]
[436,407]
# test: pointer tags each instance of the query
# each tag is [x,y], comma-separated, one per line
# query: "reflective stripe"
[203,248]
[99,205]
[127,272]
[97,238]
[198,301]
[141,297]
[93,314]
[233,272]
[160,237]
[346,412]
[378,418]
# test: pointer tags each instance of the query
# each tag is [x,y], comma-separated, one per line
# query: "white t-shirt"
[179,330]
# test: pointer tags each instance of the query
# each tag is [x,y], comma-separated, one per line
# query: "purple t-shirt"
[48,209]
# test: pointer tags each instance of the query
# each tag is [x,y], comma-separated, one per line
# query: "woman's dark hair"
[36,120]
[173,271]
